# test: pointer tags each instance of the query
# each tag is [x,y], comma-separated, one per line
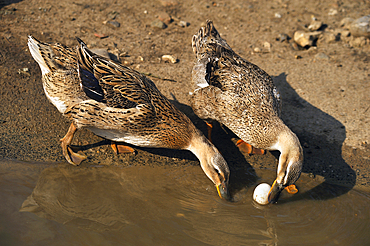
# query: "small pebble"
[165,18]
[304,39]
[183,23]
[114,23]
[158,24]
[321,56]
[315,25]
[169,58]
[24,71]
[333,12]
[267,46]
[257,50]
[283,37]
[100,35]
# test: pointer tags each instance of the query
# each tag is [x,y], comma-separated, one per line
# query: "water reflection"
[171,204]
[141,205]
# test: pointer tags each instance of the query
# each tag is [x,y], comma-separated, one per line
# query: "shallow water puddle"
[65,205]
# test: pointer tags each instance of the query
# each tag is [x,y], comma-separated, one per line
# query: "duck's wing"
[208,46]
[120,96]
[217,65]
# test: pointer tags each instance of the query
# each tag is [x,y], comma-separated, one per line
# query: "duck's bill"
[275,192]
[223,191]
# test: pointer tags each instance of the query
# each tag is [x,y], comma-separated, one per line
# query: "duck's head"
[217,170]
[213,164]
[289,168]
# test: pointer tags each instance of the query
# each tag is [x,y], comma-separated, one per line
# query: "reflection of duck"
[120,104]
[131,206]
[242,96]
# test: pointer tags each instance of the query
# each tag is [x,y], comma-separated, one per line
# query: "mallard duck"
[243,97]
[120,104]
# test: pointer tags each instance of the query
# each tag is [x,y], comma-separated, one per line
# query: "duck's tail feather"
[85,57]
[207,38]
[37,49]
[51,56]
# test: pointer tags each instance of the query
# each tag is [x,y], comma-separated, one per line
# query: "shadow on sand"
[3,3]
[322,137]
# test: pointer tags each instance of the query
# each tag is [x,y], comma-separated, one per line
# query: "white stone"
[267,46]
[333,12]
[305,38]
[315,25]
[169,58]
[260,194]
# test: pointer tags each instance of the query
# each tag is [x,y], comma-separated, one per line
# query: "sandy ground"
[325,89]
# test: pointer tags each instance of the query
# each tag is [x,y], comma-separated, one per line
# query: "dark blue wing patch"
[90,85]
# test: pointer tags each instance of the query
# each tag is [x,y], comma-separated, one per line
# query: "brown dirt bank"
[325,98]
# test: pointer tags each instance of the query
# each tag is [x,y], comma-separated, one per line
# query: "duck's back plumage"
[233,91]
[126,105]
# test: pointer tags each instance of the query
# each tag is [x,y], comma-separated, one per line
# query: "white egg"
[260,194]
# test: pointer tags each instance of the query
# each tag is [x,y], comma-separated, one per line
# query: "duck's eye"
[217,171]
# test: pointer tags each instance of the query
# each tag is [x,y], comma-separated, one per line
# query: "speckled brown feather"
[233,91]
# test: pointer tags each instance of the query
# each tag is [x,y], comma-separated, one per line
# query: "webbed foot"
[246,148]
